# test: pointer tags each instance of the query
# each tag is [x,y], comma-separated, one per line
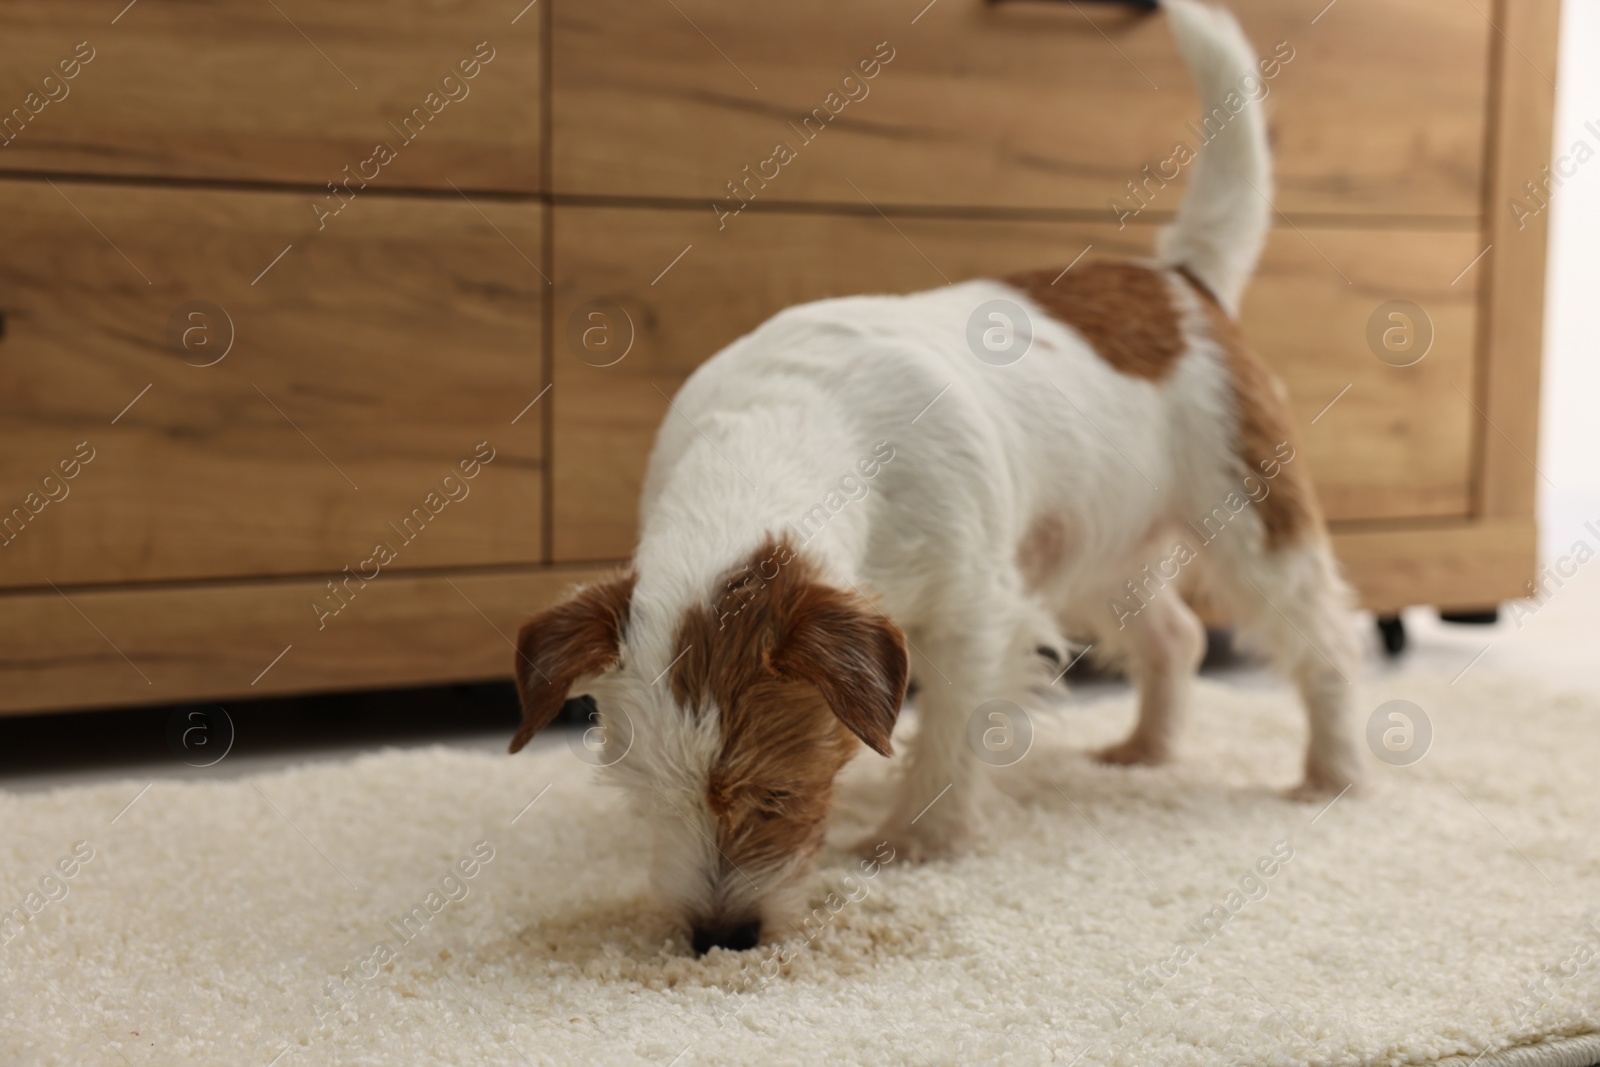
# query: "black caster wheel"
[1393,631]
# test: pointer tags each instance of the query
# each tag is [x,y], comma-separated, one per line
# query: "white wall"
[1569,452]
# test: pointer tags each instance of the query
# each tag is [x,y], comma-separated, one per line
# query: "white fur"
[765,429]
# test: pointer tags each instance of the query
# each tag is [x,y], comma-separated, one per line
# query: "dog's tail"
[1223,220]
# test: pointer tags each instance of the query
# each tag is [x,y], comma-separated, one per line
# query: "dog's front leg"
[933,803]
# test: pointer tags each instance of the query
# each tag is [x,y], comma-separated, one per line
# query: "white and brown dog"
[855,495]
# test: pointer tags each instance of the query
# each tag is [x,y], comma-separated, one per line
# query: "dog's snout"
[734,938]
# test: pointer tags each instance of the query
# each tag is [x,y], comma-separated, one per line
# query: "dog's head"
[731,716]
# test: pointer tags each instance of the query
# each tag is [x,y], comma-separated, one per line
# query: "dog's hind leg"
[1267,552]
[1162,646]
[1292,599]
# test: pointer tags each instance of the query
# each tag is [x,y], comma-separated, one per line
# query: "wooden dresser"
[335,335]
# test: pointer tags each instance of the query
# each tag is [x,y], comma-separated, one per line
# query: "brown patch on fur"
[1289,513]
[580,636]
[798,671]
[1123,310]
[1042,551]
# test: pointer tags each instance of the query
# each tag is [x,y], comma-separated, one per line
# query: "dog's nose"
[734,938]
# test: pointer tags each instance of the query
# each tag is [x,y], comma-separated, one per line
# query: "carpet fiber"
[412,907]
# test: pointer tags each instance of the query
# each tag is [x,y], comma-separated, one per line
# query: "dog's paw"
[1133,751]
[917,842]
[1328,774]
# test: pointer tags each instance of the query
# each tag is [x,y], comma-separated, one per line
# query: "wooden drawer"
[221,640]
[368,361]
[288,91]
[1397,444]
[1380,110]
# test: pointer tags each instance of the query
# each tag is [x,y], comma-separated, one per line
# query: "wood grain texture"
[1380,111]
[367,363]
[1511,276]
[291,91]
[1464,565]
[1396,444]
[218,641]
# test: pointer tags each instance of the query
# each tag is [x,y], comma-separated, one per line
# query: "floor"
[1554,640]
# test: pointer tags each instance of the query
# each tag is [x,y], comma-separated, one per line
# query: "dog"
[859,494]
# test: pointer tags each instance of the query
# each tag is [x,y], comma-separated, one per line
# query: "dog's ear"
[851,653]
[580,636]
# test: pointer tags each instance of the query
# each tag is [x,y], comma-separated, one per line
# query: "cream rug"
[1448,911]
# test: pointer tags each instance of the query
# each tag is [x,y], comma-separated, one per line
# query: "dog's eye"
[772,803]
